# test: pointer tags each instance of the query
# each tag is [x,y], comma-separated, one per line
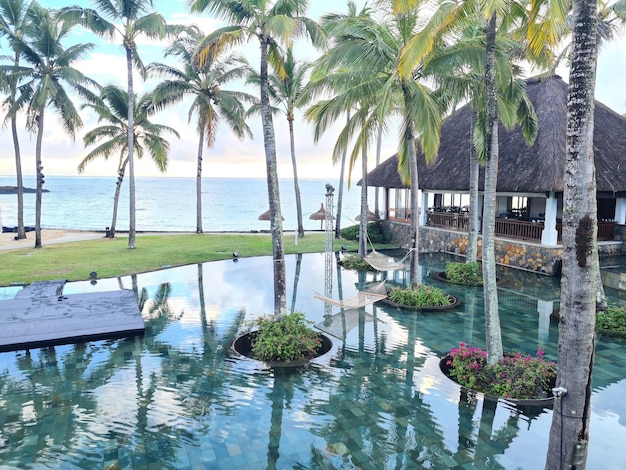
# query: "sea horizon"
[168,203]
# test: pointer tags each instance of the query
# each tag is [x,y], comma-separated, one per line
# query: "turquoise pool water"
[178,399]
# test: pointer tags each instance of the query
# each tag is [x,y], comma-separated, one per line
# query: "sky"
[229,157]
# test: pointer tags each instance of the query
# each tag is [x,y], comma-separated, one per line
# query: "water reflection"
[176,398]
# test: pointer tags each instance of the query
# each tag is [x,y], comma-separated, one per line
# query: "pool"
[177,398]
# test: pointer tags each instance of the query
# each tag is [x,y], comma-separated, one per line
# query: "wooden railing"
[400,215]
[511,228]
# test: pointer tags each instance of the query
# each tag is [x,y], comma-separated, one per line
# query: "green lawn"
[111,257]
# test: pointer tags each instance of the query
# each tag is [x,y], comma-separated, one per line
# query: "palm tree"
[268,22]
[569,434]
[45,79]
[369,51]
[129,19]
[111,108]
[211,104]
[13,23]
[285,89]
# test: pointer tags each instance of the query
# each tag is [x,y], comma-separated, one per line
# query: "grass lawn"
[111,257]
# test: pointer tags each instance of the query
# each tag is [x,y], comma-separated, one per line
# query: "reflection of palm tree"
[295,281]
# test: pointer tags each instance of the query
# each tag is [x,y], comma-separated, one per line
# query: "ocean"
[169,204]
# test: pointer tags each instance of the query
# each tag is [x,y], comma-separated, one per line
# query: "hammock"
[381,262]
[341,323]
[363,298]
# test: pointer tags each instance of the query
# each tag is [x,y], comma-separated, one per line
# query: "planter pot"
[441,276]
[242,345]
[530,407]
[611,333]
[454,303]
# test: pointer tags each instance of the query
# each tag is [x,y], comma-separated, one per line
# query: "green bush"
[422,296]
[287,338]
[464,273]
[373,232]
[614,319]
[355,263]
[517,376]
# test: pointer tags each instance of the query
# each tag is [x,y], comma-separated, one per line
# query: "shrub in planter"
[373,232]
[421,296]
[356,263]
[614,319]
[287,338]
[464,273]
[517,375]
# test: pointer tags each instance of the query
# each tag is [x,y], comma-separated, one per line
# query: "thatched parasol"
[266,216]
[320,215]
[371,217]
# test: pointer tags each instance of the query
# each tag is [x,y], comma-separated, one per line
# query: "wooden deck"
[41,315]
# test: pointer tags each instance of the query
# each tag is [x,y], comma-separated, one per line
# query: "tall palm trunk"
[199,177]
[39,168]
[116,198]
[471,253]
[340,189]
[21,233]
[295,176]
[493,334]
[414,245]
[379,145]
[569,434]
[276,224]
[131,148]
[363,223]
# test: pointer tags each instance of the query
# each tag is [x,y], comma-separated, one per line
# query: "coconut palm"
[285,88]
[569,434]
[128,19]
[111,108]
[269,23]
[45,80]
[368,51]
[13,23]
[211,103]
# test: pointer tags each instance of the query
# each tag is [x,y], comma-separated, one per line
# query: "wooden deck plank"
[29,322]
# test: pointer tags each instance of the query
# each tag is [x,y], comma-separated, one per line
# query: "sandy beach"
[48,236]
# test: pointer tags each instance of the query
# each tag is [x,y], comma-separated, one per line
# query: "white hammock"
[381,262]
[341,323]
[363,298]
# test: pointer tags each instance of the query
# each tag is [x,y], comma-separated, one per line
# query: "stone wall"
[514,253]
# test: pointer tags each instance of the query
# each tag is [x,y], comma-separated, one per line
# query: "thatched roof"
[535,169]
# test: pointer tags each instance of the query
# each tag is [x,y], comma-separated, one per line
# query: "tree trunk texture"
[296,186]
[39,173]
[414,246]
[493,335]
[379,145]
[340,189]
[19,181]
[116,198]
[363,222]
[199,178]
[569,434]
[471,253]
[131,148]
[276,223]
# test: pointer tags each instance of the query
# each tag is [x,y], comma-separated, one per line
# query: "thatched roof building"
[521,168]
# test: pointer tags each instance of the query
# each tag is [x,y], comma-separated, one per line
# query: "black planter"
[529,407]
[441,276]
[242,345]
[454,303]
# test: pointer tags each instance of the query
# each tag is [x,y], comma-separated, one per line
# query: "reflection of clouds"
[610,403]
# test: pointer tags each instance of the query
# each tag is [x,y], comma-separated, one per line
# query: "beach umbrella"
[371,217]
[320,215]
[266,215]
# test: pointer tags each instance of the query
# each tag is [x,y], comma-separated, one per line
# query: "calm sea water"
[86,203]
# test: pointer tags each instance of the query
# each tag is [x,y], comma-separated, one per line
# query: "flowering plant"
[518,375]
[287,338]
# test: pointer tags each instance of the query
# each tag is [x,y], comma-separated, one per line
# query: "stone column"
[423,209]
[544,308]
[549,236]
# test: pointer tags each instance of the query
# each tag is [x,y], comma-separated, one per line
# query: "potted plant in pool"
[612,322]
[462,273]
[421,297]
[518,377]
[354,262]
[284,340]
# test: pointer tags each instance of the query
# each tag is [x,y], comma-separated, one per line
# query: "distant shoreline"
[13,190]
